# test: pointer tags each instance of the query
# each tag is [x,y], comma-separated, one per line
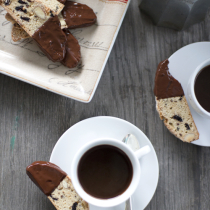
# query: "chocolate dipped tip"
[78,15]
[51,39]
[47,176]
[166,86]
[73,54]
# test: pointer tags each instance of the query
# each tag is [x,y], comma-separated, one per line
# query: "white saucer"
[110,127]
[181,65]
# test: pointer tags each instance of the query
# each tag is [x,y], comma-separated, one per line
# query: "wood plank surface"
[32,119]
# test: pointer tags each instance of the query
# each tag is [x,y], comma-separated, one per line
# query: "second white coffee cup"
[134,158]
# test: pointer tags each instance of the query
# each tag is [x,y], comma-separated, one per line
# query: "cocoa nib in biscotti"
[78,15]
[51,39]
[73,55]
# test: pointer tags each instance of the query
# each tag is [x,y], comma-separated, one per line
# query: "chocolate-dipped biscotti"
[56,185]
[19,33]
[78,15]
[172,105]
[42,20]
[32,14]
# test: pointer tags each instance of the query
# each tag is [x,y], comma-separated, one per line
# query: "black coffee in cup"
[105,171]
[202,88]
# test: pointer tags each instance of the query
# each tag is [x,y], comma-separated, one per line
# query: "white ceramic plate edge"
[99,76]
[108,53]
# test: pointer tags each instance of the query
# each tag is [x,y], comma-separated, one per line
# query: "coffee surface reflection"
[105,171]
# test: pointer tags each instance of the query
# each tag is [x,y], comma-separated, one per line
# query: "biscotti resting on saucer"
[56,185]
[172,105]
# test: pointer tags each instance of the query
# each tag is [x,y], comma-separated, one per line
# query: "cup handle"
[143,151]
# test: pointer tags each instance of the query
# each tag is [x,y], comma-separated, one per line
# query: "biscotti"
[42,20]
[73,54]
[177,117]
[64,197]
[55,183]
[31,14]
[51,39]
[9,18]
[78,15]
[18,33]
[172,105]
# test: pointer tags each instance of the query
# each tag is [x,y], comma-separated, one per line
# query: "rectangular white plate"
[23,60]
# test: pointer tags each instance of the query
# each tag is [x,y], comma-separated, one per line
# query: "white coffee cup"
[191,91]
[134,158]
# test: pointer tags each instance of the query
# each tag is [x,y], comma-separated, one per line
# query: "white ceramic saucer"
[110,127]
[181,65]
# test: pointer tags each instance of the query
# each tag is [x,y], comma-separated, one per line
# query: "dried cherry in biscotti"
[21,9]
[176,117]
[187,126]
[7,2]
[74,206]
[25,18]
[21,2]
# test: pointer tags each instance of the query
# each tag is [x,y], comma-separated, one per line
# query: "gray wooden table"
[32,119]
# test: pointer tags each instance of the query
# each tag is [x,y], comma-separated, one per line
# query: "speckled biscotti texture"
[18,33]
[9,18]
[32,14]
[177,118]
[64,197]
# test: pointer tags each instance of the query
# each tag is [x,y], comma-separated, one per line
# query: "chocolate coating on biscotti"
[51,39]
[166,86]
[78,15]
[47,176]
[73,54]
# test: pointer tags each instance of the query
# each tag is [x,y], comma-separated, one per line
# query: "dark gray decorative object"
[176,14]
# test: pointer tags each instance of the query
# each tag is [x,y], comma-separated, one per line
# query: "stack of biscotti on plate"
[17,33]
[56,185]
[172,105]
[32,14]
[39,19]
[42,20]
